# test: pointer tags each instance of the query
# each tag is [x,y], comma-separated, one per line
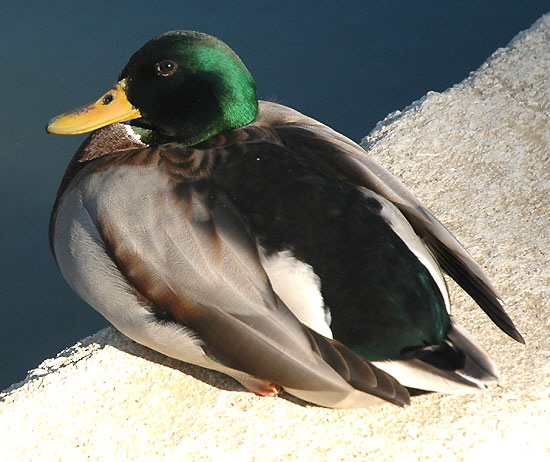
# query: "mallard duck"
[242,236]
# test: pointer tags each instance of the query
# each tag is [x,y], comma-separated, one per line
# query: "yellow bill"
[112,107]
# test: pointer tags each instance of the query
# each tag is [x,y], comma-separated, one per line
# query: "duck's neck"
[203,118]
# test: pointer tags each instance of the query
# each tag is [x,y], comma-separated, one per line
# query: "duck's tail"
[461,365]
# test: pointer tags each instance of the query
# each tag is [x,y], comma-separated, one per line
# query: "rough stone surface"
[477,155]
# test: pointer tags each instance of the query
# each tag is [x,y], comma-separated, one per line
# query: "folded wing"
[188,256]
[349,161]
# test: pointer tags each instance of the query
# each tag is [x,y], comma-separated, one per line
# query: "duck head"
[183,85]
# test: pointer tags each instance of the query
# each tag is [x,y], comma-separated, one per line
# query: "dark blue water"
[347,64]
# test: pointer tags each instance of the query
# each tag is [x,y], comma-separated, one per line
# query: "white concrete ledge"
[476,154]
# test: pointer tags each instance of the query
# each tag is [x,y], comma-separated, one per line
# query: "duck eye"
[166,68]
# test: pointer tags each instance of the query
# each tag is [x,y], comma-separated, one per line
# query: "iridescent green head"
[190,85]
[183,85]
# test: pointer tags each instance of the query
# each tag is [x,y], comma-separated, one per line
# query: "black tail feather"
[483,295]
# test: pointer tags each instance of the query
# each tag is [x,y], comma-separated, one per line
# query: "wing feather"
[347,160]
[188,254]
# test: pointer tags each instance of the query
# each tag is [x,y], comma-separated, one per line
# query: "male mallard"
[240,235]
